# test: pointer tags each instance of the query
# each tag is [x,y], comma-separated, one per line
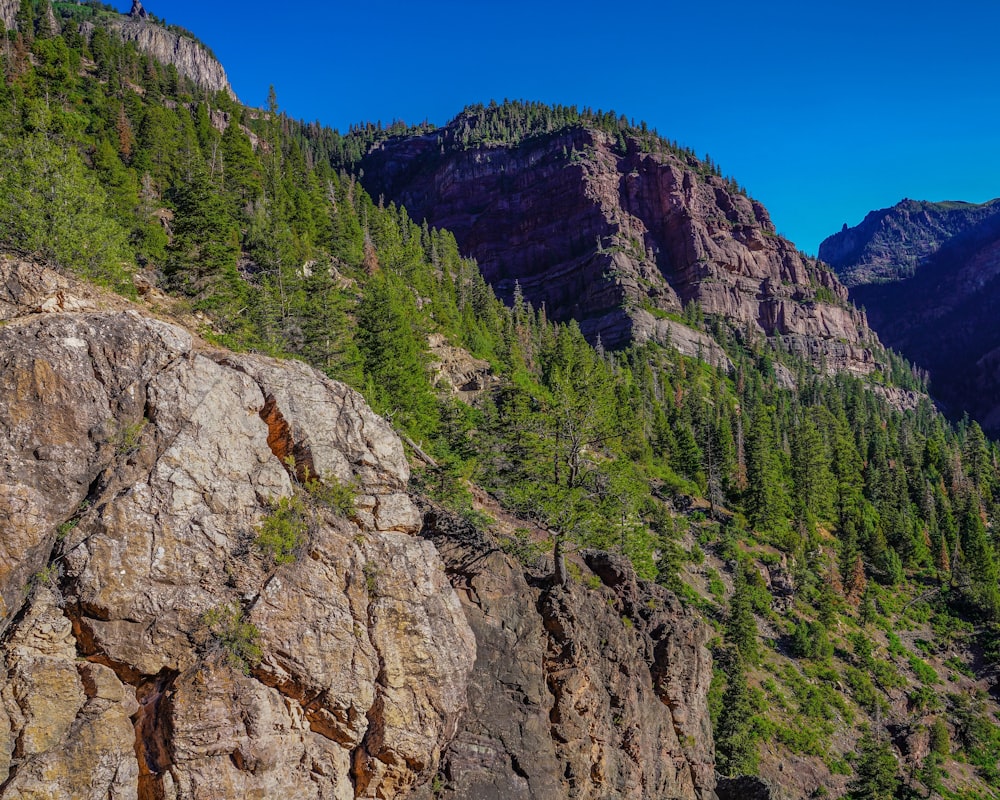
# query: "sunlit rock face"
[136,467]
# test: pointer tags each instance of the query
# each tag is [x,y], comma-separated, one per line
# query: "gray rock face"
[567,699]
[135,470]
[8,10]
[152,648]
[190,57]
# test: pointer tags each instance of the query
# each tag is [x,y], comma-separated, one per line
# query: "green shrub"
[925,672]
[128,436]
[336,495]
[239,639]
[284,530]
[864,691]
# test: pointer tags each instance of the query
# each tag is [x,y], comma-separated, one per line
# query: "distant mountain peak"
[928,274]
[890,244]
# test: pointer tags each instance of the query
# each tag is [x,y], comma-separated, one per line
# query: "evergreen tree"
[394,357]
[735,735]
[741,627]
[765,495]
[876,773]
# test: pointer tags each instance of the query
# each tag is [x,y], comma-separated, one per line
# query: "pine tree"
[765,496]
[735,734]
[875,772]
[394,357]
[741,627]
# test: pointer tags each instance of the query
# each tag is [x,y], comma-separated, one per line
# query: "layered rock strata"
[620,238]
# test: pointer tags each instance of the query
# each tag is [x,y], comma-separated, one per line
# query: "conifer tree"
[735,734]
[741,627]
[875,772]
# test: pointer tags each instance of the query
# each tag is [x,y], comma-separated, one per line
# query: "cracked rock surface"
[136,467]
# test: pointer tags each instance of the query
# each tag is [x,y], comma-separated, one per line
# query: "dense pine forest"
[880,522]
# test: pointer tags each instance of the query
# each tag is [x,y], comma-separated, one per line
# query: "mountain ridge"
[615,227]
[927,273]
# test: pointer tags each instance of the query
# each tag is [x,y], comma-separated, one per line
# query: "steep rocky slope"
[136,469]
[618,235]
[191,58]
[929,276]
[150,647]
[8,10]
[566,700]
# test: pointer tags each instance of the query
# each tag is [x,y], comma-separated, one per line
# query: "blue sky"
[823,110]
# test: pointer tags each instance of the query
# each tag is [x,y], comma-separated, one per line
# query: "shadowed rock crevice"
[152,734]
[296,457]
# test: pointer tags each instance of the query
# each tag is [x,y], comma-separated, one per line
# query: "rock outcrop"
[618,235]
[153,646]
[8,10]
[168,46]
[191,58]
[584,691]
[150,647]
[929,276]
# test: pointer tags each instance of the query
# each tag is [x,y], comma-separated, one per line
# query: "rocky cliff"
[618,235]
[151,648]
[929,276]
[169,46]
[8,10]
[594,690]
[153,645]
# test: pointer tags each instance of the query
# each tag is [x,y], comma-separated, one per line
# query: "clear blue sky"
[823,110]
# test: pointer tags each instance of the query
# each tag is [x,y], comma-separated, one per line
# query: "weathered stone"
[591,705]
[68,723]
[191,58]
[74,384]
[328,431]
[8,11]
[364,650]
[456,369]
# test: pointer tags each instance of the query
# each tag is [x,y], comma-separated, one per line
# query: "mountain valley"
[514,458]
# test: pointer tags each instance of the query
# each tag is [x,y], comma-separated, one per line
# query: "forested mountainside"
[555,569]
[927,275]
